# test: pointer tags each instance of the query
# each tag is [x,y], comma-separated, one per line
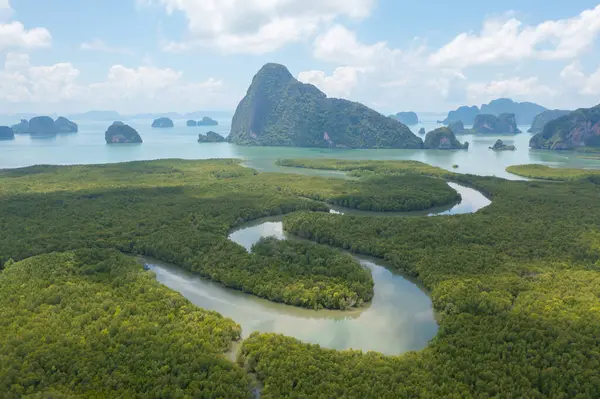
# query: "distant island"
[422,131]
[408,118]
[120,133]
[98,115]
[206,121]
[542,119]
[464,114]
[579,129]
[278,110]
[191,123]
[503,123]
[163,123]
[524,112]
[42,125]
[500,146]
[210,137]
[21,127]
[443,139]
[6,133]
[45,125]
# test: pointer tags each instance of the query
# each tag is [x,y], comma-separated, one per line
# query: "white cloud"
[14,35]
[516,88]
[21,82]
[341,46]
[339,84]
[502,41]
[98,45]
[255,26]
[573,77]
[142,89]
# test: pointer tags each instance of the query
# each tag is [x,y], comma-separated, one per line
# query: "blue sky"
[184,55]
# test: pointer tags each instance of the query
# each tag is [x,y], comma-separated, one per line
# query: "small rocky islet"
[163,123]
[443,138]
[120,133]
[211,137]
[500,146]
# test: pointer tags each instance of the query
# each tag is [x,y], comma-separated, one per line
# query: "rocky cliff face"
[278,110]
[443,139]
[542,119]
[119,133]
[503,123]
[578,129]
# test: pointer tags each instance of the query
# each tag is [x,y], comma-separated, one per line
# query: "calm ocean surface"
[88,147]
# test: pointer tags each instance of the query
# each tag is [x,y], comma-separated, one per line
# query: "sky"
[133,56]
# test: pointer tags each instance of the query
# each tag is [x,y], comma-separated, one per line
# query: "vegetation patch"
[92,323]
[544,172]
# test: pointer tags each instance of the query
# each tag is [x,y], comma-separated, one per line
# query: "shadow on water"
[400,317]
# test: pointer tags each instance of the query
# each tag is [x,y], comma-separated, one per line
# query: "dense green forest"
[516,286]
[315,276]
[544,172]
[92,323]
[182,211]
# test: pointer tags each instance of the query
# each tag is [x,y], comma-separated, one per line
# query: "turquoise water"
[88,147]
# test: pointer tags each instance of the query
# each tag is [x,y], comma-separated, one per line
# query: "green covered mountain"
[578,129]
[542,119]
[278,110]
[443,138]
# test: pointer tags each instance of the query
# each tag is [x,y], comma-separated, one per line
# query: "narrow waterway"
[400,318]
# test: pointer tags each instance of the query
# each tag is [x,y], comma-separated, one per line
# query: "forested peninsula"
[514,285]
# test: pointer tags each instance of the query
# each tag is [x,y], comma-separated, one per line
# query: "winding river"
[400,318]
